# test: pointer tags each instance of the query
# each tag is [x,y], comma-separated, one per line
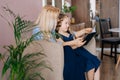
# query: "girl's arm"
[83,32]
[68,43]
[74,43]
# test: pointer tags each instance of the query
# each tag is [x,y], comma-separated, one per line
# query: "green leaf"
[29,56]
[72,8]
[0,55]
[68,9]
[6,66]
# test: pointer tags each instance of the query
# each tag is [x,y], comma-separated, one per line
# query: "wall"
[110,8]
[82,14]
[27,8]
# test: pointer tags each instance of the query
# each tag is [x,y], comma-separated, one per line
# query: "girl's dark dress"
[77,61]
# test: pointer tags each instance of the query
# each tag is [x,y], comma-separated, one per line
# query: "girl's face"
[65,24]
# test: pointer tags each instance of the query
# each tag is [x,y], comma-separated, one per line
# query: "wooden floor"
[107,69]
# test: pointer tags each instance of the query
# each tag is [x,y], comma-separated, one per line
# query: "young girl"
[77,60]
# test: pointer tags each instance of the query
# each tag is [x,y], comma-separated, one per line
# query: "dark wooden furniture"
[107,38]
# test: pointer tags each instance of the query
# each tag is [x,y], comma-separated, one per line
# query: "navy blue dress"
[77,61]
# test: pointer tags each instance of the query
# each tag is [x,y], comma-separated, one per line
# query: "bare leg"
[90,74]
[117,63]
[97,74]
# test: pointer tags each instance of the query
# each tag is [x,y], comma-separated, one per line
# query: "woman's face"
[65,24]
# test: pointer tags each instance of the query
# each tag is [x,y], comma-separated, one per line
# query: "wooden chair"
[107,38]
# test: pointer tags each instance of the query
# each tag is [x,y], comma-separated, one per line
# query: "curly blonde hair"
[61,17]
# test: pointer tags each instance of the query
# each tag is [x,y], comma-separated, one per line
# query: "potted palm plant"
[67,8]
[16,62]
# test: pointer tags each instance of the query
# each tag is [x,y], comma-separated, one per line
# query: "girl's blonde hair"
[47,20]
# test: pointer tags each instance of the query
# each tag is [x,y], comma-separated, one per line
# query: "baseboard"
[107,49]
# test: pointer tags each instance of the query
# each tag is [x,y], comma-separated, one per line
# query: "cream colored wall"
[28,8]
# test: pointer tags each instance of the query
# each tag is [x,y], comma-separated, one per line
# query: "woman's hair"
[47,20]
[61,17]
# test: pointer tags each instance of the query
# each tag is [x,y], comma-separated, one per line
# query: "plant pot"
[72,20]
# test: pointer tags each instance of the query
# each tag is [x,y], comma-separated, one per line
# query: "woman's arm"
[37,33]
[83,32]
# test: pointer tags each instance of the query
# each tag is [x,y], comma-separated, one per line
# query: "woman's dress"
[77,61]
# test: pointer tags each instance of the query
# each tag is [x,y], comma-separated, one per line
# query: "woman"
[46,23]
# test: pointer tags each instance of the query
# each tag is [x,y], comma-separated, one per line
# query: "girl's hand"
[88,30]
[83,32]
[79,42]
